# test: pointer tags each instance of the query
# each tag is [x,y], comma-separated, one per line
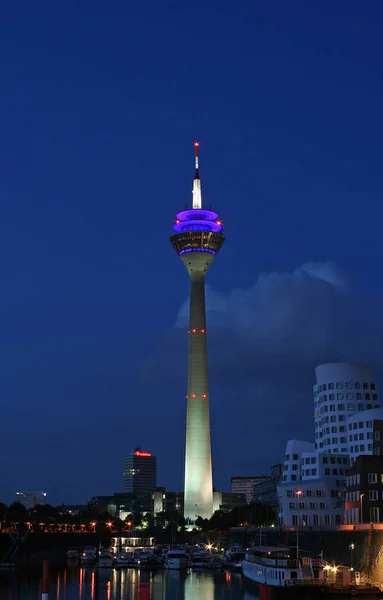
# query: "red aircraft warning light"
[139,453]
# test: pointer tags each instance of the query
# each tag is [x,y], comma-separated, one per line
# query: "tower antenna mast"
[197,192]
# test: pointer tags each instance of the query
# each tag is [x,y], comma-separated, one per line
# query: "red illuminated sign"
[139,453]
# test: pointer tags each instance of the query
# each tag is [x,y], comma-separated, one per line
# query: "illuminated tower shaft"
[197,241]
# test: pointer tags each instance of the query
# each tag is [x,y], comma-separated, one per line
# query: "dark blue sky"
[100,104]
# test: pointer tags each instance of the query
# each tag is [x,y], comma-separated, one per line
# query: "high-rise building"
[197,239]
[341,390]
[140,472]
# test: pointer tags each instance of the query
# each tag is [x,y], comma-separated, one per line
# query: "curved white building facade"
[341,390]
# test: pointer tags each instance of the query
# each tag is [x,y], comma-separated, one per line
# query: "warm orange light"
[298,493]
[109,524]
[129,523]
[196,144]
[139,453]
[204,395]
[193,395]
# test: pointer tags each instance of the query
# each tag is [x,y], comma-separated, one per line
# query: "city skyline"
[97,116]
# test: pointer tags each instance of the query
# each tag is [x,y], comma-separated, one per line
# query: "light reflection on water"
[110,584]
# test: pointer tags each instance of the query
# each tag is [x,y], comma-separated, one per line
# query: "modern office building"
[140,472]
[364,430]
[341,390]
[197,239]
[31,499]
[266,491]
[312,502]
[244,485]
[364,490]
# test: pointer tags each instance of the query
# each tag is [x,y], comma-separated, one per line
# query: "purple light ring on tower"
[197,226]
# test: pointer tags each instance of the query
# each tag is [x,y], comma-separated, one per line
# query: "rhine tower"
[197,240]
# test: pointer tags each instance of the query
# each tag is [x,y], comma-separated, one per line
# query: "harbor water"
[111,584]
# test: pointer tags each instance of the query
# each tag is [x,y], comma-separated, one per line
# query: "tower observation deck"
[197,239]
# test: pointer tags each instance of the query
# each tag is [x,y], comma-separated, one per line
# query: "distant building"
[121,505]
[266,492]
[163,501]
[30,499]
[226,501]
[364,490]
[244,485]
[140,472]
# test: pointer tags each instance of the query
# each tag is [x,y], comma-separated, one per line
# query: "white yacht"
[274,566]
[177,559]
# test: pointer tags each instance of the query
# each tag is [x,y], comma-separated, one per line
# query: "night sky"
[100,105]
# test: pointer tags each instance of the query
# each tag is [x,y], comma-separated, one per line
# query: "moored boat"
[177,560]
[88,555]
[105,559]
[124,559]
[274,566]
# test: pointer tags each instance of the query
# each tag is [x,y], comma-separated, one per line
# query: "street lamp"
[361,508]
[352,548]
[298,494]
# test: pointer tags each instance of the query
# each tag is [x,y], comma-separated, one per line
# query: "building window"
[377,435]
[361,436]
[373,494]
[350,407]
[358,479]
[309,493]
[327,471]
[325,460]
[357,385]
[293,477]
[369,447]
[332,407]
[349,396]
[339,385]
[349,385]
[360,406]
[369,424]
[372,478]
[331,396]
[372,386]
[365,386]
[362,447]
[289,493]
[359,396]
[367,396]
[295,457]
[374,514]
[295,520]
[313,471]
[339,396]
[340,406]
[291,505]
[377,451]
[375,397]
[327,519]
[295,467]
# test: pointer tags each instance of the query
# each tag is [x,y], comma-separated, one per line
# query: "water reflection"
[87,583]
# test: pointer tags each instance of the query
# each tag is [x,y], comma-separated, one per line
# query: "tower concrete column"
[197,241]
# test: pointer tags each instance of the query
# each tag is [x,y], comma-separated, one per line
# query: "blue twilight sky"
[100,104]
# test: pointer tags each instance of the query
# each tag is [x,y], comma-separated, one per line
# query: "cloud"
[264,343]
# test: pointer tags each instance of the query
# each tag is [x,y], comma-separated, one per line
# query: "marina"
[90,583]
